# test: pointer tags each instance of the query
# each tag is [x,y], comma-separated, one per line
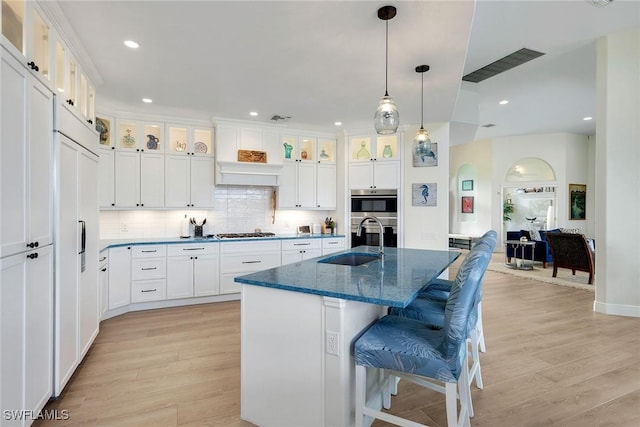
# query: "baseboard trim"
[616,309]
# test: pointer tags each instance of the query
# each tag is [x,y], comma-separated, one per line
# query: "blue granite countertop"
[112,243]
[395,281]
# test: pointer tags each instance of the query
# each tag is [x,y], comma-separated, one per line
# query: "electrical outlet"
[286,224]
[124,227]
[333,343]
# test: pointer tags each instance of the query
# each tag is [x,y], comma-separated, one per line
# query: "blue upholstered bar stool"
[410,349]
[429,308]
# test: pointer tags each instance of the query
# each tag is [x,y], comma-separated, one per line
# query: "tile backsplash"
[238,209]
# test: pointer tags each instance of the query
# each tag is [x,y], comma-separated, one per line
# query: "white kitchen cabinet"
[148,273]
[139,179]
[76,296]
[106,173]
[308,178]
[26,331]
[374,162]
[103,283]
[297,250]
[239,258]
[26,147]
[187,140]
[332,245]
[193,270]
[189,181]
[119,276]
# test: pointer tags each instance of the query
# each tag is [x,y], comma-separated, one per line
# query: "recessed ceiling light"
[503,102]
[147,100]
[338,123]
[131,44]
[253,113]
[586,119]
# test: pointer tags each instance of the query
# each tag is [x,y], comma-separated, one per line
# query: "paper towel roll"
[184,228]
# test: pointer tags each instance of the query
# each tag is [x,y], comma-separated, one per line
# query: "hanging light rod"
[386,118]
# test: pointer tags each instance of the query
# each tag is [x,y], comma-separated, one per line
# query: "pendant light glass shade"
[386,119]
[422,141]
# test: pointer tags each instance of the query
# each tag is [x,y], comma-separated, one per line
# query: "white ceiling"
[323,61]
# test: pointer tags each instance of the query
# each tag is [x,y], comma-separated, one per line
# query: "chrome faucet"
[377,221]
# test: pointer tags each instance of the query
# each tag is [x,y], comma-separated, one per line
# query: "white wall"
[238,209]
[617,156]
[426,227]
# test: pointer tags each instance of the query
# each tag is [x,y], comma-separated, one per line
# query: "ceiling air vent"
[518,57]
[278,118]
[488,125]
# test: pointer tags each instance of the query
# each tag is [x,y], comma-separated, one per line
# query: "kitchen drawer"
[148,268]
[148,251]
[247,262]
[250,246]
[148,290]
[331,245]
[193,249]
[302,244]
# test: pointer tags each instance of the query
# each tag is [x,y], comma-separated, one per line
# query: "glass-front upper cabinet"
[127,137]
[60,68]
[153,137]
[104,126]
[40,45]
[25,29]
[189,140]
[13,23]
[300,148]
[327,150]
[72,82]
[364,148]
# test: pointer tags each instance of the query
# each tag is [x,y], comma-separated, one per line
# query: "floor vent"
[518,57]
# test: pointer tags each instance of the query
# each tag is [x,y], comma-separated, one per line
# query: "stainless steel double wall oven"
[382,204]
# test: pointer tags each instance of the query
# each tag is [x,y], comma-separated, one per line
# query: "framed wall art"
[467,185]
[577,201]
[424,194]
[425,156]
[467,204]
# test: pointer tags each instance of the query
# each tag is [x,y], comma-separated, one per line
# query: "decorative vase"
[287,150]
[386,153]
[324,155]
[363,153]
[303,155]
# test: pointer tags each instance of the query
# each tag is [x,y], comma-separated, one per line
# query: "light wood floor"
[550,361]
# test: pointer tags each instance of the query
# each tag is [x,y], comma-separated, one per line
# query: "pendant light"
[386,119]
[422,141]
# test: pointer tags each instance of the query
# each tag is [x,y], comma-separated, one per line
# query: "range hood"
[248,173]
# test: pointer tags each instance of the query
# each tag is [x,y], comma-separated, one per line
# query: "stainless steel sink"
[351,259]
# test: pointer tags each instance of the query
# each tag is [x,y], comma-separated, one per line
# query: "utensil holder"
[197,231]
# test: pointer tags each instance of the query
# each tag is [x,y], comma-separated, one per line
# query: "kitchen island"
[299,322]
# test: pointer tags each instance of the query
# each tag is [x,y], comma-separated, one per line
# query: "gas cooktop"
[244,235]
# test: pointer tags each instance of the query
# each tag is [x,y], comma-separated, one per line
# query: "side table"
[524,264]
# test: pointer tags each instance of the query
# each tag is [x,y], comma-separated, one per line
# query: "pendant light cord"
[422,103]
[386,58]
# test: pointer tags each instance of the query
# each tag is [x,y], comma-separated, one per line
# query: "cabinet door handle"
[148,290]
[150,268]
[193,249]
[102,259]
[104,269]
[251,262]
[33,256]
[90,121]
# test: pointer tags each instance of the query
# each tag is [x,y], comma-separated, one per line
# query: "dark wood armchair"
[571,251]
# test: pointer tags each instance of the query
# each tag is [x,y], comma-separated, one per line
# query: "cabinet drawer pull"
[150,268]
[301,244]
[155,250]
[193,249]
[332,243]
[251,262]
[148,290]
